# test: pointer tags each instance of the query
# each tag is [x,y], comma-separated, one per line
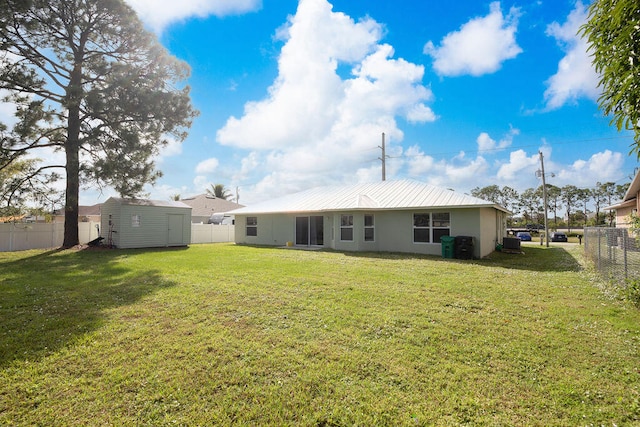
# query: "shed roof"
[385,195]
[147,202]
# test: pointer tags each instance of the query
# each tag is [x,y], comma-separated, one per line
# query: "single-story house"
[630,204]
[206,209]
[85,213]
[388,216]
[139,223]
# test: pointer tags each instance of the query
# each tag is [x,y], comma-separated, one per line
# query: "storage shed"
[140,223]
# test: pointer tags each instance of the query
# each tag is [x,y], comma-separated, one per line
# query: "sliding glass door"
[310,230]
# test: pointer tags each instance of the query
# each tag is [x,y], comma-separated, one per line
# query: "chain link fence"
[614,252]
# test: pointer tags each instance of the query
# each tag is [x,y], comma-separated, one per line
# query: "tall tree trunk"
[72,149]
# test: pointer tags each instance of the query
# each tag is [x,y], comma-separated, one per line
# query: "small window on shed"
[135,220]
[252,226]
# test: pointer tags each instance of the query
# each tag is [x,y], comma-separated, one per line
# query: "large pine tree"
[88,80]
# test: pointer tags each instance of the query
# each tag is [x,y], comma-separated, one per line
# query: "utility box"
[511,244]
[448,246]
[464,247]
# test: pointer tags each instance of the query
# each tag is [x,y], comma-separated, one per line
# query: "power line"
[508,148]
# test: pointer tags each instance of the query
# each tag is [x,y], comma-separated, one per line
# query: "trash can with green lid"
[448,246]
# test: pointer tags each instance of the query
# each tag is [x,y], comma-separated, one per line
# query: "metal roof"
[147,202]
[385,195]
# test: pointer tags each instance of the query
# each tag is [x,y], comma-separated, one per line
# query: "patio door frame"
[309,230]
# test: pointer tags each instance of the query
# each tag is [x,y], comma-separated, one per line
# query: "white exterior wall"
[273,230]
[393,230]
[154,225]
[110,221]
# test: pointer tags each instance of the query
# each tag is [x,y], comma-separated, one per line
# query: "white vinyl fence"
[212,233]
[23,236]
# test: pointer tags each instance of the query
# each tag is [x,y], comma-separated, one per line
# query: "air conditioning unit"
[511,243]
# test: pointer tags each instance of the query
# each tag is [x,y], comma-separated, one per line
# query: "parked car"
[524,236]
[558,237]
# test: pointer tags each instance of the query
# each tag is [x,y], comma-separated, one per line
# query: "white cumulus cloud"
[576,78]
[600,167]
[479,47]
[158,14]
[313,126]
[519,164]
[486,143]
[207,166]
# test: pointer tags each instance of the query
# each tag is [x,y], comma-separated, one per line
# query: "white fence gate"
[23,236]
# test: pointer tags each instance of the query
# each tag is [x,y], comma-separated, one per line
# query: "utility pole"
[384,159]
[237,195]
[544,197]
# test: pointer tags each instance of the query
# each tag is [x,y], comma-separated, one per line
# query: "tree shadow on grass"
[50,299]
[538,258]
[533,258]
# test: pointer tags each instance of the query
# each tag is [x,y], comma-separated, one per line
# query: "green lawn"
[237,335]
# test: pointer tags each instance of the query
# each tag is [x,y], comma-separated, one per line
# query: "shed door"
[176,231]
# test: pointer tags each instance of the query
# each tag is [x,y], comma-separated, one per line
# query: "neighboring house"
[85,214]
[389,216]
[136,223]
[209,209]
[12,218]
[628,205]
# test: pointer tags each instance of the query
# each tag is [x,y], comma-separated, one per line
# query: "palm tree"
[175,197]
[219,191]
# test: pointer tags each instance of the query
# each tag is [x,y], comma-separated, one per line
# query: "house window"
[430,227]
[346,228]
[441,225]
[252,226]
[135,220]
[369,231]
[421,228]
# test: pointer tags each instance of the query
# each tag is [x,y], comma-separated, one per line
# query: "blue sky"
[296,94]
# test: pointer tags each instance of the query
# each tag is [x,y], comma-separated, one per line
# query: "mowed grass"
[238,335]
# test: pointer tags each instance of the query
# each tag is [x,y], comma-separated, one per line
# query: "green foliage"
[20,183]
[634,224]
[631,292]
[613,34]
[266,336]
[219,191]
[89,80]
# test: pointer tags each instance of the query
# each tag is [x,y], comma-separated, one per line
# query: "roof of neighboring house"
[12,218]
[385,195]
[633,188]
[625,204]
[147,202]
[83,210]
[629,197]
[207,205]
